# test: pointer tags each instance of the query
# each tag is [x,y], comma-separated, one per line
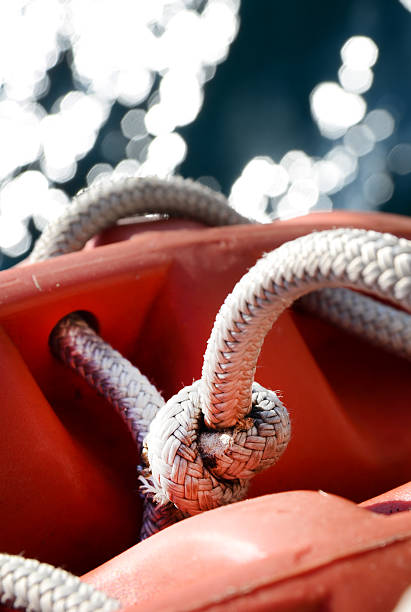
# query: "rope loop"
[198,469]
[368,261]
[248,427]
[225,428]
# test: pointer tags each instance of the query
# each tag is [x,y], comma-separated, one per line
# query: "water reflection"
[174,44]
[155,59]
[335,110]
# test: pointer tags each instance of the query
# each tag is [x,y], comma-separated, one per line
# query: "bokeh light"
[138,74]
[355,81]
[340,112]
[381,123]
[378,188]
[335,110]
[359,140]
[399,159]
[153,57]
[359,53]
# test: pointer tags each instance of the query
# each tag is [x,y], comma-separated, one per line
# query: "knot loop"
[198,469]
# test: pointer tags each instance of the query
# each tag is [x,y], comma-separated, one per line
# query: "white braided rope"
[211,468]
[198,470]
[38,587]
[384,326]
[379,264]
[125,387]
[114,377]
[234,456]
[191,479]
[376,263]
[101,205]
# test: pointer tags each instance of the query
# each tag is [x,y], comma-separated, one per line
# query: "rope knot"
[198,469]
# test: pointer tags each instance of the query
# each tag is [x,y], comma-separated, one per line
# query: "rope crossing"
[125,387]
[190,467]
[101,205]
[201,472]
[206,442]
[226,394]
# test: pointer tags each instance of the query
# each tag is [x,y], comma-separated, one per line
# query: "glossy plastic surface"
[67,463]
[299,550]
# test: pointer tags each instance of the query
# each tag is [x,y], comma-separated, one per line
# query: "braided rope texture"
[386,327]
[198,472]
[253,445]
[101,205]
[137,401]
[38,587]
[156,517]
[104,369]
[224,395]
[78,345]
[379,264]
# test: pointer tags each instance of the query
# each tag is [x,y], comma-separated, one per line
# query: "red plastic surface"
[299,550]
[67,463]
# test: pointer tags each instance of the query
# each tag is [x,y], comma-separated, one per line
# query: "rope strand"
[75,343]
[39,587]
[101,205]
[193,468]
[376,263]
[137,401]
[225,396]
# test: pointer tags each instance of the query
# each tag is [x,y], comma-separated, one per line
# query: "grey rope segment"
[199,470]
[101,205]
[366,260]
[195,474]
[38,587]
[234,455]
[376,263]
[113,376]
[384,326]
[79,347]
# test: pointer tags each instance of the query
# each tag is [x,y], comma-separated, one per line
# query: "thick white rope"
[101,205]
[38,587]
[121,383]
[384,326]
[110,374]
[198,471]
[376,263]
[232,456]
[224,457]
[75,343]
